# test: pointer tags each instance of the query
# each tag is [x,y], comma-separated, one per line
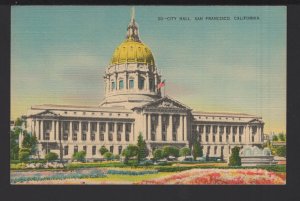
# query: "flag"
[161,84]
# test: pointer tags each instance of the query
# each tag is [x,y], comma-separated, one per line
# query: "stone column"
[39,129]
[42,129]
[97,137]
[185,128]
[115,134]
[147,81]
[145,126]
[56,130]
[158,129]
[170,129]
[149,127]
[88,133]
[259,133]
[34,128]
[52,131]
[217,135]
[106,132]
[180,128]
[123,135]
[131,136]
[70,131]
[79,132]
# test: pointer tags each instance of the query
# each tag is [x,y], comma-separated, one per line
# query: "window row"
[222,129]
[94,149]
[141,84]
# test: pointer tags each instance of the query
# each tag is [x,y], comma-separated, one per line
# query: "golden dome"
[132,51]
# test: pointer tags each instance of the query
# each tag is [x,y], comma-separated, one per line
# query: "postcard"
[147,95]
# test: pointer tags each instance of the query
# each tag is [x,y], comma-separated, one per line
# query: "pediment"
[46,113]
[166,103]
[256,121]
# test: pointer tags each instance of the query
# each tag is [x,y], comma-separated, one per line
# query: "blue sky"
[59,55]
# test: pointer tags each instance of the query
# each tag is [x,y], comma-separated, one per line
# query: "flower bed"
[36,176]
[220,177]
[131,172]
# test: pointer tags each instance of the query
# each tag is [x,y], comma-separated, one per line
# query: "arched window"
[141,83]
[131,84]
[121,84]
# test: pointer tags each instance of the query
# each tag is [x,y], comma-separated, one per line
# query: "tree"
[235,159]
[275,138]
[197,150]
[14,144]
[18,122]
[103,150]
[79,156]
[170,151]
[142,148]
[158,154]
[108,156]
[281,137]
[29,141]
[24,154]
[280,151]
[185,151]
[51,156]
[129,152]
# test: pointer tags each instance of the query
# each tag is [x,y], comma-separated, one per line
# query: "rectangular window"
[151,85]
[215,150]
[252,138]
[83,137]
[206,138]
[163,137]
[120,127]
[102,126]
[215,129]
[174,137]
[201,129]
[111,149]
[220,138]
[254,129]
[141,83]
[111,127]
[131,84]
[66,150]
[101,137]
[234,129]
[110,137]
[92,136]
[233,138]
[240,138]
[121,84]
[113,86]
[84,149]
[221,129]
[214,138]
[128,127]
[127,137]
[207,129]
[75,136]
[227,129]
[241,129]
[94,150]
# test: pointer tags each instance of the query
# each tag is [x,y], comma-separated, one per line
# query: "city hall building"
[134,105]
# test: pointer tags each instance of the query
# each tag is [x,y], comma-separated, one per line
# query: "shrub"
[280,151]
[79,156]
[117,157]
[108,156]
[170,151]
[24,154]
[129,152]
[185,151]
[51,156]
[103,150]
[235,159]
[158,154]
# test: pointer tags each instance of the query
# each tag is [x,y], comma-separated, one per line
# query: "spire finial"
[132,13]
[132,29]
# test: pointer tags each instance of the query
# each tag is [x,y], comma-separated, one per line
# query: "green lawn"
[129,178]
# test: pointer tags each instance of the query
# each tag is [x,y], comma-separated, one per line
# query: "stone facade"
[132,105]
